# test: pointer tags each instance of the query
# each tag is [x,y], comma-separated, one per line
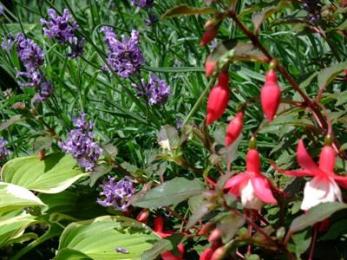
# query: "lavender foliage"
[63,28]
[116,194]
[81,145]
[124,57]
[4,152]
[156,90]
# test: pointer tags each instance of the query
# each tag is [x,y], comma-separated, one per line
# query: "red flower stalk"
[158,227]
[234,129]
[253,187]
[270,95]
[323,187]
[218,99]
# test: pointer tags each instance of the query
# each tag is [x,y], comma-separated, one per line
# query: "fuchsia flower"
[253,187]
[324,185]
[218,99]
[158,227]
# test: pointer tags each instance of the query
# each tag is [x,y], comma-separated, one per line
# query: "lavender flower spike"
[63,29]
[81,145]
[142,3]
[116,194]
[4,152]
[125,57]
[156,90]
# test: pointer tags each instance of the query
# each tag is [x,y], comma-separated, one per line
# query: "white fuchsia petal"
[320,190]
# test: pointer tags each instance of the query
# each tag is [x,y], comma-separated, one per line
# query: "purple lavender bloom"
[125,57]
[63,29]
[151,20]
[4,152]
[116,194]
[156,90]
[142,3]
[7,43]
[2,10]
[81,145]
[45,91]
[30,54]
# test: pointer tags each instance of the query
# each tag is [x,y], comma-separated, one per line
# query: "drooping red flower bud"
[215,235]
[253,161]
[210,33]
[143,216]
[206,254]
[234,129]
[270,95]
[219,253]
[210,66]
[218,99]
[158,225]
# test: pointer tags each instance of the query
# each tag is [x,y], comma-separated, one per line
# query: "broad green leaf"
[16,197]
[229,225]
[186,10]
[55,173]
[316,214]
[169,193]
[78,204]
[13,227]
[326,75]
[159,247]
[107,237]
[300,243]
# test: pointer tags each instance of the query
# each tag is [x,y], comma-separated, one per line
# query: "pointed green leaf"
[169,193]
[186,10]
[316,214]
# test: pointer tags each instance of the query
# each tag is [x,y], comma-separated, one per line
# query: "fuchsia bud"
[234,129]
[143,216]
[206,254]
[210,33]
[253,161]
[270,95]
[210,66]
[215,235]
[218,99]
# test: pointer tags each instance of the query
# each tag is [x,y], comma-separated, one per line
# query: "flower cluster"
[32,57]
[4,152]
[314,8]
[2,9]
[125,57]
[63,29]
[7,43]
[81,145]
[156,90]
[142,3]
[116,194]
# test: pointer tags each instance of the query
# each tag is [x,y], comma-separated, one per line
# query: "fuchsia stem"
[313,242]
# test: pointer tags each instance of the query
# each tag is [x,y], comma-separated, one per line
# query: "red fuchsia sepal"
[270,95]
[324,185]
[218,99]
[253,187]
[211,30]
[159,228]
[234,129]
